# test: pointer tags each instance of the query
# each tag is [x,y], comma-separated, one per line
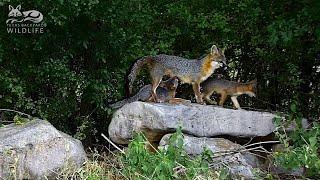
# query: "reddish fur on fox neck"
[207,65]
[244,88]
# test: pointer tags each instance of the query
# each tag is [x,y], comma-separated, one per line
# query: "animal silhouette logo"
[17,16]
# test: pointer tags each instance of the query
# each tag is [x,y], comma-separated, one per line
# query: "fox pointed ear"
[223,49]
[214,50]
[254,81]
[10,7]
[19,7]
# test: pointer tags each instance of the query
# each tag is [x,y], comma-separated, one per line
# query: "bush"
[301,147]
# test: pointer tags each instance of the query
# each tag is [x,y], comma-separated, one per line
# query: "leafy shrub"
[301,147]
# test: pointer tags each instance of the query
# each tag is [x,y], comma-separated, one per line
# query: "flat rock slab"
[37,151]
[158,119]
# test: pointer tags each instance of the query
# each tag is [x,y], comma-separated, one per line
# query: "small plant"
[18,120]
[301,146]
[303,153]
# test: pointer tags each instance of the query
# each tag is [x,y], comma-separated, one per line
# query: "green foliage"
[301,149]
[172,162]
[79,62]
[259,175]
[18,120]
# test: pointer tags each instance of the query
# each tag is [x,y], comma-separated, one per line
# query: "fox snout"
[175,85]
[225,66]
[223,60]
[251,94]
[224,63]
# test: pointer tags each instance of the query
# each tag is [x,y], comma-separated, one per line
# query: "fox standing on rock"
[191,71]
[228,88]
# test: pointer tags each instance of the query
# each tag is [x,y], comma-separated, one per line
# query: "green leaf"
[293,108]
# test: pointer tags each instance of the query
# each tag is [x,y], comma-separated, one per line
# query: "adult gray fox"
[227,88]
[166,92]
[191,71]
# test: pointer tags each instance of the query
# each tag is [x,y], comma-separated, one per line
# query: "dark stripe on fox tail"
[132,73]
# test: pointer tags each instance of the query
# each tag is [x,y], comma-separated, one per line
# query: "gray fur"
[191,71]
[135,68]
[211,84]
[142,95]
[165,92]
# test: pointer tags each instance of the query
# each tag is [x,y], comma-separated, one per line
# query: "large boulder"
[158,119]
[227,154]
[36,150]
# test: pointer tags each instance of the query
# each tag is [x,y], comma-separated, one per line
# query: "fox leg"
[150,99]
[179,101]
[197,93]
[207,98]
[235,102]
[155,83]
[222,99]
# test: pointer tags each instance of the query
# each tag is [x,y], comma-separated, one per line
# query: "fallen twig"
[258,155]
[259,143]
[11,110]
[114,145]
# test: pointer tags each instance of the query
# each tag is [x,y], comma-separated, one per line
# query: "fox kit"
[191,71]
[166,92]
[227,88]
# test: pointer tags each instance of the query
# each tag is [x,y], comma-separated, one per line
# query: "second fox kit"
[227,88]
[191,71]
[166,92]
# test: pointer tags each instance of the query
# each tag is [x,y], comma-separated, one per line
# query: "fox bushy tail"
[121,103]
[134,71]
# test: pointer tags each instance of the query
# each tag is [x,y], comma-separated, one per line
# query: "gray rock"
[37,150]
[199,120]
[237,163]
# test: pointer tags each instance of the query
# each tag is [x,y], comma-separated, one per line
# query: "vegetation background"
[70,73]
